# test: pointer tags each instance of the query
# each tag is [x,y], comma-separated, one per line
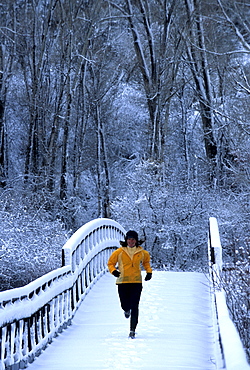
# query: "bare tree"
[103,84]
[196,55]
[3,152]
[7,50]
[153,30]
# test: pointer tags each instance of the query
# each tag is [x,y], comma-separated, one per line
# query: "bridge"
[70,318]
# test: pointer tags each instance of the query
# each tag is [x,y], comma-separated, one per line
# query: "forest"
[135,110]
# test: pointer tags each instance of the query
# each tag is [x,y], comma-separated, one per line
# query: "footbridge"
[70,318]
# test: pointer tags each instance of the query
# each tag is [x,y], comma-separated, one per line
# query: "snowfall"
[175,330]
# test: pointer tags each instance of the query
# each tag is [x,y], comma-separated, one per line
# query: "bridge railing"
[230,351]
[32,315]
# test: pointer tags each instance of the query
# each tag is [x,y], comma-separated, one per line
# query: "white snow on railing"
[31,316]
[89,239]
[233,353]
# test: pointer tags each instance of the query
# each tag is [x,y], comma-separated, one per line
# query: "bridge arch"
[32,315]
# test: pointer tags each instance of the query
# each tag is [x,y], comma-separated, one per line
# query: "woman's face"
[131,242]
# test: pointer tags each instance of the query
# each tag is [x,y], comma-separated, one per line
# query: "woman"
[129,258]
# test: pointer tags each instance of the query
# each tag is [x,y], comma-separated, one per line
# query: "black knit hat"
[132,234]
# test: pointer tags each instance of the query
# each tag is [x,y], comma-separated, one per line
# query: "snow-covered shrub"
[174,219]
[31,242]
[235,282]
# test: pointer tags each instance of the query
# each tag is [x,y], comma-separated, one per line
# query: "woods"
[64,65]
[136,110]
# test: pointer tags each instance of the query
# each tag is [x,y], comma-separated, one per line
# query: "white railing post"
[229,340]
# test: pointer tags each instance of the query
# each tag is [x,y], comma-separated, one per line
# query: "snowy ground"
[174,331]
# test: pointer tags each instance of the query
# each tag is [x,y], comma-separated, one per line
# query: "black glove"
[116,273]
[148,276]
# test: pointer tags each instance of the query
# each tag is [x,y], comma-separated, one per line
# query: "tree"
[229,58]
[198,62]
[103,82]
[7,39]
[153,31]
[3,152]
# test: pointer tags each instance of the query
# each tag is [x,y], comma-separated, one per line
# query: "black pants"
[130,294]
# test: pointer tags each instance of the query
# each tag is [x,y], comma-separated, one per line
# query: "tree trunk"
[102,169]
[149,73]
[200,71]
[3,153]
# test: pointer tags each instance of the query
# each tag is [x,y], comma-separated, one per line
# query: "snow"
[18,297]
[92,230]
[174,332]
[232,346]
[215,242]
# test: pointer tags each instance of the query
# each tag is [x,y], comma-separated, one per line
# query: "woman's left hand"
[148,276]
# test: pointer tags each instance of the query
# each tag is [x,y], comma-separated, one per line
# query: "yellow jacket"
[129,267]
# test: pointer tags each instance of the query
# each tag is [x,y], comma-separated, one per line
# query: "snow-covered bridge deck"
[175,330]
